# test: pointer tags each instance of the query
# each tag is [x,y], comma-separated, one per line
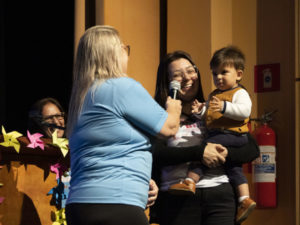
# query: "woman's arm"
[165,156]
[171,125]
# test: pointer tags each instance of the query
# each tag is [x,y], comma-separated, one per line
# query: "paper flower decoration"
[62,143]
[35,140]
[10,139]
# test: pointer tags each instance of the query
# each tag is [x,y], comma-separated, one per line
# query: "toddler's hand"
[216,105]
[197,106]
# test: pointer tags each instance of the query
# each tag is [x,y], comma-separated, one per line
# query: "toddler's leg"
[188,185]
[185,187]
[195,177]
[246,204]
[243,191]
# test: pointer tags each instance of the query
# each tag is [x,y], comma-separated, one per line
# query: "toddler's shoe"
[244,209]
[186,187]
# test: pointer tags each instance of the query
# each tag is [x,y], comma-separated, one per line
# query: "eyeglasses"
[51,118]
[191,71]
[127,49]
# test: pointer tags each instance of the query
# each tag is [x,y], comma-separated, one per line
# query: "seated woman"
[45,116]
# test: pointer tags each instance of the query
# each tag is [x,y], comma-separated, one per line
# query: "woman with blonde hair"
[111,117]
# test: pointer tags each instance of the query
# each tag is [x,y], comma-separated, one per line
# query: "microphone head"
[175,85]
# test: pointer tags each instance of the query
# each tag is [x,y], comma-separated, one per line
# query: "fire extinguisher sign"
[265,165]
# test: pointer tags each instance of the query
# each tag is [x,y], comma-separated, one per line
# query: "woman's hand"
[171,125]
[152,194]
[173,106]
[222,150]
[214,155]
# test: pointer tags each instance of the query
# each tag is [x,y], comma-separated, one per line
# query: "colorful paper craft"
[62,143]
[35,140]
[60,217]
[10,139]
[58,169]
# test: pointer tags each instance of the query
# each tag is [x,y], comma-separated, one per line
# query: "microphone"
[174,87]
[53,125]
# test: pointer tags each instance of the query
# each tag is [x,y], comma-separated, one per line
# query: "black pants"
[209,206]
[105,214]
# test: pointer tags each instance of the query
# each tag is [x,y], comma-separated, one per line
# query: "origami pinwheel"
[10,139]
[59,195]
[35,140]
[62,143]
[60,217]
[58,169]
[55,169]
[66,181]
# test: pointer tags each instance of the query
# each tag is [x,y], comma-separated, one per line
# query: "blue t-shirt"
[110,151]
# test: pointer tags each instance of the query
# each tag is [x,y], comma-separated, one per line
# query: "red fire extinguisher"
[264,167]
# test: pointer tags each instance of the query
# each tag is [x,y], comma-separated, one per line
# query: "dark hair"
[228,56]
[35,115]
[163,82]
